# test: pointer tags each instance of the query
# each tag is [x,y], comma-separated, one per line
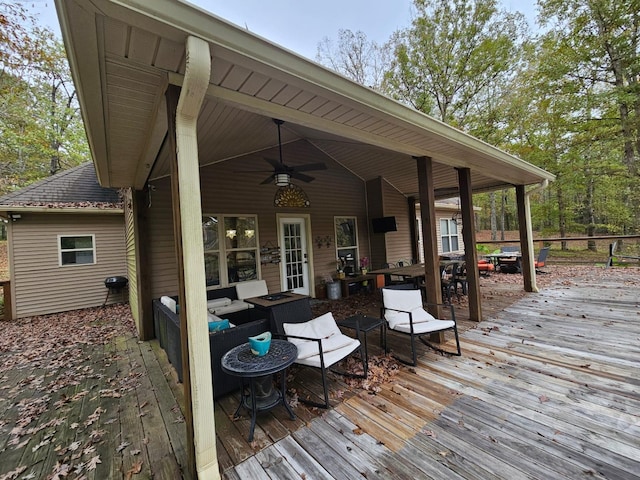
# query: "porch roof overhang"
[125,53]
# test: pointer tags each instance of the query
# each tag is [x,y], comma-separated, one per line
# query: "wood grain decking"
[547,389]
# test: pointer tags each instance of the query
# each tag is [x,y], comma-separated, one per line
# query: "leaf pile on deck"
[49,427]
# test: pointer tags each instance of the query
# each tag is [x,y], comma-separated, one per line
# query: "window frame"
[355,247]
[61,250]
[448,235]
[223,250]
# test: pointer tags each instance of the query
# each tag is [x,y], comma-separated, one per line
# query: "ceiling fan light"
[282,179]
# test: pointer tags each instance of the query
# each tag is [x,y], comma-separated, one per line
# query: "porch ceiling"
[124,54]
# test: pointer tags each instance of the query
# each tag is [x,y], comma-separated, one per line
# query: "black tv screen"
[384,224]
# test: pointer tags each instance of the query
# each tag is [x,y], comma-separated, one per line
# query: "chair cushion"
[253,288]
[217,325]
[217,302]
[395,318]
[406,300]
[425,327]
[330,357]
[323,327]
[168,302]
[234,306]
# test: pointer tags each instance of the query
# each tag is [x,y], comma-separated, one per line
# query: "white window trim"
[93,249]
[356,246]
[449,235]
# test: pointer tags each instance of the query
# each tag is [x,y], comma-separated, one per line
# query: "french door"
[294,258]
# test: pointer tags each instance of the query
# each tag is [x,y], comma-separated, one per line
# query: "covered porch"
[179,107]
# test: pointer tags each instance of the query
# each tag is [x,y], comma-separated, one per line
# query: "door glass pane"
[294,256]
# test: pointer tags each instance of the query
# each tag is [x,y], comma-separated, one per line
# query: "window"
[231,246]
[76,249]
[449,235]
[347,243]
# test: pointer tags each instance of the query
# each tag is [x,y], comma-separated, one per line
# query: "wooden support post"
[526,242]
[427,197]
[172,96]
[469,238]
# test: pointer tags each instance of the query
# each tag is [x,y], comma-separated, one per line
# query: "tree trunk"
[493,219]
[503,202]
[590,216]
[562,217]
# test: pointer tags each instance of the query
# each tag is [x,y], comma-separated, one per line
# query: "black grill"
[116,283]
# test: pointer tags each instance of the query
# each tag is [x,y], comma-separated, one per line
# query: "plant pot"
[260,344]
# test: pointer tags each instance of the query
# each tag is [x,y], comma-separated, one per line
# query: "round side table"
[240,362]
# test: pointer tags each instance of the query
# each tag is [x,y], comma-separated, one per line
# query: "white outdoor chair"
[403,310]
[320,343]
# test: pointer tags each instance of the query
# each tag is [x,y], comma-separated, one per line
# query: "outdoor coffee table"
[240,362]
[362,323]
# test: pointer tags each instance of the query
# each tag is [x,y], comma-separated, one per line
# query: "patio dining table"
[512,260]
[414,272]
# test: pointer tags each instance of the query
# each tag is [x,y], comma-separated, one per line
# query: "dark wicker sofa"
[167,330]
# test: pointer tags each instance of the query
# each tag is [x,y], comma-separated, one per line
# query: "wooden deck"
[548,388]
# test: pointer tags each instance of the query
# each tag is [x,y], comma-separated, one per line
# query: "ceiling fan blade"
[269,179]
[301,176]
[275,164]
[309,167]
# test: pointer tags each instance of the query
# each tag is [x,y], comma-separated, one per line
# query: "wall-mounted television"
[384,224]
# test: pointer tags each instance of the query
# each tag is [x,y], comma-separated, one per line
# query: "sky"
[299,25]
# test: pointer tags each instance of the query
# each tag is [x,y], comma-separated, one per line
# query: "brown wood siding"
[375,206]
[230,188]
[162,267]
[43,286]
[398,243]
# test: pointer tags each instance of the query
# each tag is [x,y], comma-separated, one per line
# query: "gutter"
[527,208]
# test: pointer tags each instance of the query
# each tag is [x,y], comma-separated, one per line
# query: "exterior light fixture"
[282,179]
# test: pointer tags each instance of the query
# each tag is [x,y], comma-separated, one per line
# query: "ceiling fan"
[282,173]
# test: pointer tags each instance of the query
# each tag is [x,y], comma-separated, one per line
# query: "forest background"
[564,96]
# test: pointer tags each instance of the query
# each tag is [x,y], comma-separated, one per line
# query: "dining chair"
[542,258]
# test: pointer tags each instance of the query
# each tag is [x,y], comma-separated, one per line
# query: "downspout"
[527,209]
[194,87]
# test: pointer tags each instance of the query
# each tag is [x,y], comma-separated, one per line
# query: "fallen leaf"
[93,463]
[135,469]
[122,446]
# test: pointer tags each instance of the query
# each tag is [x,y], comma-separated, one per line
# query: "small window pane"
[78,257]
[70,243]
[212,269]
[242,266]
[240,232]
[345,232]
[210,233]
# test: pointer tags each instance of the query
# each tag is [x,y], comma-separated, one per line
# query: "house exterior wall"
[131,257]
[398,244]
[234,188]
[40,285]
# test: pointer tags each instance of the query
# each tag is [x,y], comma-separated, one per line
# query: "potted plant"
[340,269]
[364,265]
